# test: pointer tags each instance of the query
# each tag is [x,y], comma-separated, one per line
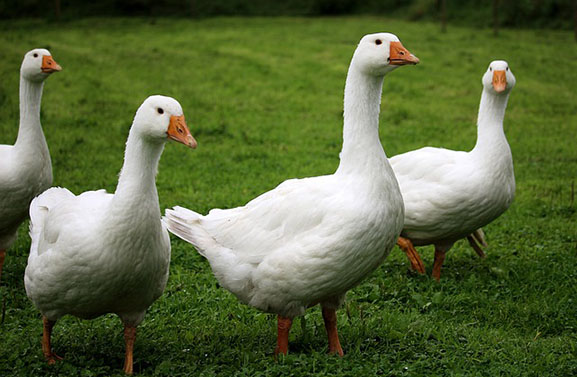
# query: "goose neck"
[490,133]
[137,181]
[362,148]
[30,99]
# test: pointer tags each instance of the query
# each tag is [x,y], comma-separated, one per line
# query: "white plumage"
[99,253]
[450,194]
[286,249]
[25,167]
[309,241]
[91,255]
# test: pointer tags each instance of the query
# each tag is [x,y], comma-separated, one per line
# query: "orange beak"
[398,55]
[49,65]
[178,131]
[499,81]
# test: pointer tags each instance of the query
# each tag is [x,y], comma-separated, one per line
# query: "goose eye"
[491,69]
[35,55]
[507,68]
[378,42]
[160,110]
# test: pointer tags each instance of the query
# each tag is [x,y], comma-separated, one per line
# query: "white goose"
[25,168]
[450,194]
[309,241]
[99,253]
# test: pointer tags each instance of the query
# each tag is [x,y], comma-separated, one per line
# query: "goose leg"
[416,262]
[439,259]
[2,257]
[330,318]
[284,327]
[129,337]
[479,236]
[475,246]
[50,356]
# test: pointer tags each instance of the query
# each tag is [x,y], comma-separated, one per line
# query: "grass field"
[263,97]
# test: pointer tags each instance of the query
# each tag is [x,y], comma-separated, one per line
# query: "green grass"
[263,97]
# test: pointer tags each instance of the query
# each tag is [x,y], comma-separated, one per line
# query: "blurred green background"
[517,13]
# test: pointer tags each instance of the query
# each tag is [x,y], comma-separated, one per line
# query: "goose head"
[498,78]
[378,54]
[160,118]
[38,64]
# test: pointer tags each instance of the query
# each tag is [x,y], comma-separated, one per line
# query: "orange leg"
[129,337]
[330,318]
[416,262]
[50,356]
[475,246]
[439,259]
[284,327]
[2,257]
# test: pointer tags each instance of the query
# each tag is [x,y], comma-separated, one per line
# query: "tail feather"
[232,273]
[45,201]
[39,208]
[185,224]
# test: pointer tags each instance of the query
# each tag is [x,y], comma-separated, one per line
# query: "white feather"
[99,253]
[25,167]
[450,194]
[310,240]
